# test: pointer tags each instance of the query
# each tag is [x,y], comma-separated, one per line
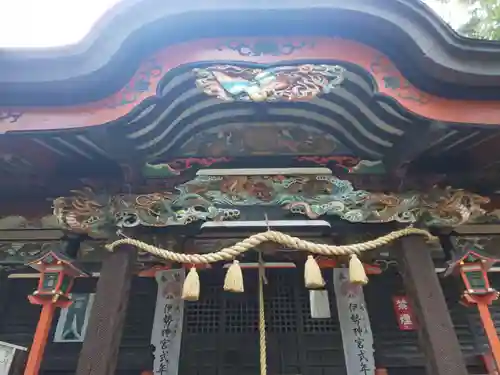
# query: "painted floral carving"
[301,82]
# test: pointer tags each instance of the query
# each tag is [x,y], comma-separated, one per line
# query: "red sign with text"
[404,313]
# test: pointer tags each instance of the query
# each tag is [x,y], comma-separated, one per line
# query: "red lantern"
[472,258]
[474,273]
[57,274]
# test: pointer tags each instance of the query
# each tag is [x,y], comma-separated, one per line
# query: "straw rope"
[191,288]
[241,247]
[262,318]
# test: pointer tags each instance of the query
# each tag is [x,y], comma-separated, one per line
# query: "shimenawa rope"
[234,279]
[262,318]
[231,252]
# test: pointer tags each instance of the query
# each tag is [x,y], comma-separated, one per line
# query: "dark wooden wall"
[19,319]
[399,351]
[220,332]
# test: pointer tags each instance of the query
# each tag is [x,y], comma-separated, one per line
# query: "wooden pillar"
[438,339]
[99,352]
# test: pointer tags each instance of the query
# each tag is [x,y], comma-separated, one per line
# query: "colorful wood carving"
[144,83]
[312,196]
[20,222]
[301,82]
[265,47]
[262,139]
[22,252]
[90,212]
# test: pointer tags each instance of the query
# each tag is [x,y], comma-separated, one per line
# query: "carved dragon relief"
[313,196]
[88,212]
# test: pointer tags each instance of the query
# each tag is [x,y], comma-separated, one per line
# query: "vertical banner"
[167,324]
[357,335]
[73,320]
[404,313]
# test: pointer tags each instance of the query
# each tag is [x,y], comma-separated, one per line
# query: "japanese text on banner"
[167,326]
[355,326]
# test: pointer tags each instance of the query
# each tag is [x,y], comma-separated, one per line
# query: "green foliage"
[484,21]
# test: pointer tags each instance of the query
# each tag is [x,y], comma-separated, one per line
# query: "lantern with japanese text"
[57,273]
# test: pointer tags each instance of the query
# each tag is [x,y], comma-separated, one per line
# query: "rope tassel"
[191,287]
[312,274]
[234,278]
[357,274]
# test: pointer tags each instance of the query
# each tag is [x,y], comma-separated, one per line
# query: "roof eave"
[434,51]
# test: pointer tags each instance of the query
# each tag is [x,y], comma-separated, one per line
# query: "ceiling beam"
[412,144]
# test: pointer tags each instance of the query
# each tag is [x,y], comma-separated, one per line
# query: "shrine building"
[219,188]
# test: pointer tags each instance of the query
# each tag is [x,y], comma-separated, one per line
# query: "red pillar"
[40,339]
[491,332]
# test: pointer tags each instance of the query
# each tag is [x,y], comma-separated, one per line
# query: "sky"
[453,13]
[53,23]
[48,23]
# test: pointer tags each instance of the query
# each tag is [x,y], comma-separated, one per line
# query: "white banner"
[73,320]
[354,321]
[167,324]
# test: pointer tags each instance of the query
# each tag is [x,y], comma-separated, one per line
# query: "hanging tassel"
[357,274]
[312,274]
[191,287]
[234,278]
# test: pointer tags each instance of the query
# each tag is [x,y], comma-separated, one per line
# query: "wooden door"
[221,330]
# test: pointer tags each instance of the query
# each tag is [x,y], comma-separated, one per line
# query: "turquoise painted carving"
[301,82]
[312,196]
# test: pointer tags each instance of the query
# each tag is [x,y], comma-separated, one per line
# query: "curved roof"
[428,52]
